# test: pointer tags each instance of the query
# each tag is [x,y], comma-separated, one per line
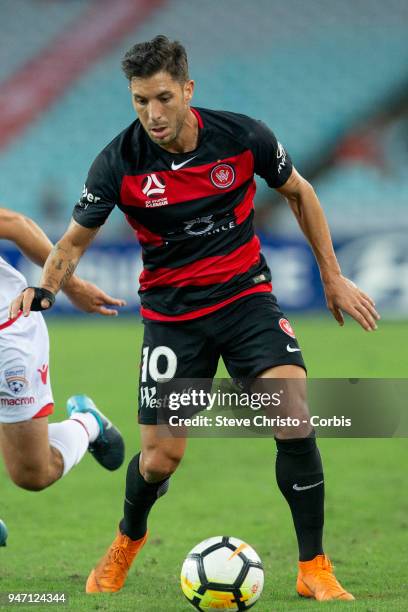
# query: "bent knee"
[30,480]
[158,465]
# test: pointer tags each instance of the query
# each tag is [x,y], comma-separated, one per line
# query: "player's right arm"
[59,267]
[65,255]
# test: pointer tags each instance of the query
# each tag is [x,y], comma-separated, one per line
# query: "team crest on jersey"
[16,379]
[286,327]
[222,176]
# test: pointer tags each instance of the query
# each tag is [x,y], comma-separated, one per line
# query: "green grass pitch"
[222,487]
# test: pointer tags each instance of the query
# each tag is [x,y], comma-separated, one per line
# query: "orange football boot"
[111,572]
[316,579]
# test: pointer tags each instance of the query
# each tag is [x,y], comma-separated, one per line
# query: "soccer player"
[36,453]
[184,178]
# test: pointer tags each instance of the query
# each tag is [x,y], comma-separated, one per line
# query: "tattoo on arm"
[59,268]
[68,273]
[58,247]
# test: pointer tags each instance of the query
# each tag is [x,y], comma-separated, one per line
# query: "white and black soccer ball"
[222,573]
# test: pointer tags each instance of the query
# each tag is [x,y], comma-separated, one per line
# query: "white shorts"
[25,390]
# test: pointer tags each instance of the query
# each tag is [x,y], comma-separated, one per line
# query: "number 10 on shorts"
[160,363]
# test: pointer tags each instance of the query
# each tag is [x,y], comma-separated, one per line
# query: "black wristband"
[39,295]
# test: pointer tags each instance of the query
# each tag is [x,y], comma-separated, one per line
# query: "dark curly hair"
[160,54]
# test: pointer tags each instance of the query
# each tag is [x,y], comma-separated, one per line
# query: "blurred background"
[330,79]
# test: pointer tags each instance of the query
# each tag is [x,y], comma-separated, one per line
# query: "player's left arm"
[25,234]
[36,246]
[342,295]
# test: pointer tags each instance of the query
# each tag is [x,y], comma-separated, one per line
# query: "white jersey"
[25,389]
[12,282]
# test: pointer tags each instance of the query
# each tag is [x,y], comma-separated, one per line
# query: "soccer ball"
[222,573]
[3,533]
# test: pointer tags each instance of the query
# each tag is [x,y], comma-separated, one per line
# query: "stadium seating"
[27,27]
[366,187]
[306,71]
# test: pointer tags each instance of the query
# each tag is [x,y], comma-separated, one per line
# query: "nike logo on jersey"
[296,487]
[292,349]
[178,166]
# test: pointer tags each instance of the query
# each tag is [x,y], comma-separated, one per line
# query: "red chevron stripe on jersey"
[166,187]
[10,321]
[206,271]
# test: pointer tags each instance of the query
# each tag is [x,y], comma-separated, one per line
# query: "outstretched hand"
[84,295]
[88,297]
[342,295]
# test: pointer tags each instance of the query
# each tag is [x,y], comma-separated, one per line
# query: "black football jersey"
[191,212]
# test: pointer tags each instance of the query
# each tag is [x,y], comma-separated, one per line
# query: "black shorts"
[251,335]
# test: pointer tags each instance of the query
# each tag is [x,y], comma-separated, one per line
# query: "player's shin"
[71,440]
[299,474]
[139,499]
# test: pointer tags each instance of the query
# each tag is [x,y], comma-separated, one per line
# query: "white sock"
[89,422]
[70,438]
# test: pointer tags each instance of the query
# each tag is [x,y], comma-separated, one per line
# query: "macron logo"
[43,373]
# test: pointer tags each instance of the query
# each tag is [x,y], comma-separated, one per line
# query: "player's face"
[162,105]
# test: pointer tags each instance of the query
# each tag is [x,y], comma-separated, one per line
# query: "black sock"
[298,465]
[139,499]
